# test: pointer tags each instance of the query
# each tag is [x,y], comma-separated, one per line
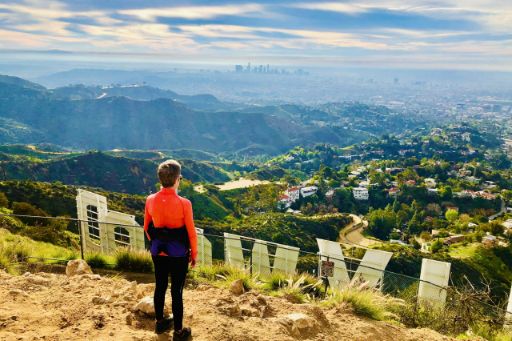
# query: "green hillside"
[97,169]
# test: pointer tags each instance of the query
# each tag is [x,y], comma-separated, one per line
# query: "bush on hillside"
[55,232]
[133,260]
[97,260]
[366,302]
[4,202]
[26,209]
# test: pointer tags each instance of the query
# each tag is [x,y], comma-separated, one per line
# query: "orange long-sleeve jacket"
[167,209]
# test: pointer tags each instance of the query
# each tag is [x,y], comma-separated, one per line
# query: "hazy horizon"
[421,35]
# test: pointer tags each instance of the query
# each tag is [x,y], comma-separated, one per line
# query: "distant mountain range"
[143,117]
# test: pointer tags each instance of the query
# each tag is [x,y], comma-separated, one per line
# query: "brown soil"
[46,306]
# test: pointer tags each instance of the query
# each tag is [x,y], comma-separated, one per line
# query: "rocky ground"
[45,306]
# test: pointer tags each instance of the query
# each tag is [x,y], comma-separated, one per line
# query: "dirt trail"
[241,183]
[353,233]
[89,307]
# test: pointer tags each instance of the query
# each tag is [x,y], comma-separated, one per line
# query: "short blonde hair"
[168,172]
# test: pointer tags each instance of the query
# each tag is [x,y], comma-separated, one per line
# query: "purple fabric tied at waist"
[173,242]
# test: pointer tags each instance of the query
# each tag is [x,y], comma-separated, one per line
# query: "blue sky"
[452,34]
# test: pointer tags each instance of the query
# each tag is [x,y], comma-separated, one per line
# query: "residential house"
[393,192]
[284,201]
[360,193]
[489,240]
[507,224]
[453,239]
[432,191]
[426,247]
[307,191]
[293,193]
[329,194]
[430,182]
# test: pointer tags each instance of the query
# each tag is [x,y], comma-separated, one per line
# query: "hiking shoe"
[182,335]
[164,325]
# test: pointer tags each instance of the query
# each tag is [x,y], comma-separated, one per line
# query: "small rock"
[121,304]
[249,311]
[262,300]
[202,287]
[128,297]
[77,267]
[129,319]
[99,300]
[265,311]
[38,280]
[231,310]
[17,292]
[99,321]
[145,306]
[237,287]
[94,277]
[318,314]
[300,325]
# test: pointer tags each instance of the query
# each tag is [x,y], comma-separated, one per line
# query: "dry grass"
[366,302]
[133,260]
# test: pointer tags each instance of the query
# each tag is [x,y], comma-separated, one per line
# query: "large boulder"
[77,267]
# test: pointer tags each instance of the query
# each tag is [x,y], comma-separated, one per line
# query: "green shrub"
[487,332]
[223,275]
[296,289]
[11,254]
[5,263]
[275,281]
[4,202]
[24,208]
[467,311]
[293,294]
[10,223]
[310,285]
[366,302]
[213,272]
[133,260]
[502,336]
[15,252]
[300,288]
[97,260]
[53,232]
[249,282]
[21,247]
[307,263]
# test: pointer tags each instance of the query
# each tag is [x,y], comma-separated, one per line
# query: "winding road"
[353,233]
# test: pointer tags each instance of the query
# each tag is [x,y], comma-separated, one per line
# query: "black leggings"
[177,267]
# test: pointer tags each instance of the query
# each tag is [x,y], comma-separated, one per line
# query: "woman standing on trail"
[169,225]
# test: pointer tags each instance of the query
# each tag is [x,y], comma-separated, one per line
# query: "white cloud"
[38,24]
[340,7]
[193,12]
[493,15]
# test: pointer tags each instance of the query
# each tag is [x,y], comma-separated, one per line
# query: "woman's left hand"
[192,262]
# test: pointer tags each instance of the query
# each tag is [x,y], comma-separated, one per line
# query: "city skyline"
[424,34]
